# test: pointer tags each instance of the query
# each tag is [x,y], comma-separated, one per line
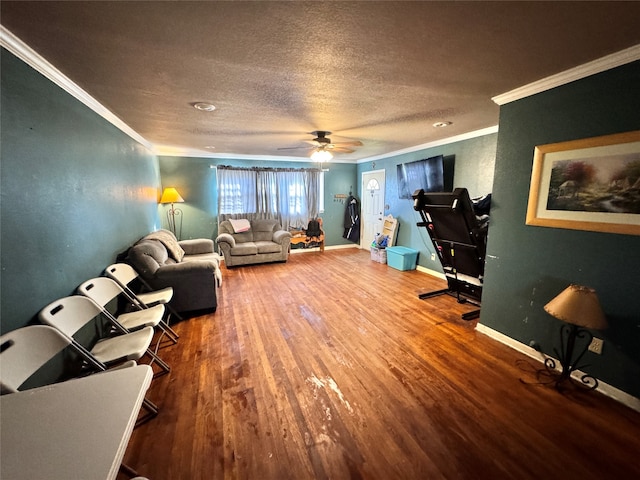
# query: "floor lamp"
[580,309]
[171,195]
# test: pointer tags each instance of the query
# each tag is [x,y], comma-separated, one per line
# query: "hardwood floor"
[330,367]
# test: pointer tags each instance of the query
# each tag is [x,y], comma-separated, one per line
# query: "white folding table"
[77,429]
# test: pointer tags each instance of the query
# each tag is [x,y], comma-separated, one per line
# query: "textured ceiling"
[378,72]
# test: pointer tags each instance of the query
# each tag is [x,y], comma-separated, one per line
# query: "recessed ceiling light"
[204,106]
[210,147]
[442,124]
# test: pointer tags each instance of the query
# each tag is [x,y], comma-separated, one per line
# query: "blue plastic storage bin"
[402,258]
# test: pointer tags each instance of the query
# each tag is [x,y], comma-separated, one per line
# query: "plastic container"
[379,255]
[402,258]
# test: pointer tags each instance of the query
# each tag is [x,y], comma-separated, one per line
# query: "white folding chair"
[25,350]
[125,275]
[104,290]
[70,314]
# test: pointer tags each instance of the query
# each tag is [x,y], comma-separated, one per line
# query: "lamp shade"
[579,306]
[171,195]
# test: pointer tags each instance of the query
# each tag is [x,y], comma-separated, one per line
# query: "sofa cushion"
[197,246]
[147,256]
[243,237]
[246,248]
[268,247]
[206,257]
[170,242]
[263,230]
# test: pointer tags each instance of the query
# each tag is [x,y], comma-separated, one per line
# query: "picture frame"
[588,184]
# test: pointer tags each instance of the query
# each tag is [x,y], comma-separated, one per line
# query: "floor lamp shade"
[171,195]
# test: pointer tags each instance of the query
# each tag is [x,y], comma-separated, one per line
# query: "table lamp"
[580,309]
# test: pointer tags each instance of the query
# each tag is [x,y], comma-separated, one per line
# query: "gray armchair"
[190,267]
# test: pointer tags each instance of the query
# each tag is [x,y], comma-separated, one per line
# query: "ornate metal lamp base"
[568,335]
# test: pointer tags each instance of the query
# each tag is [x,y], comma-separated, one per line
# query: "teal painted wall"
[339,180]
[473,169]
[196,181]
[75,192]
[527,266]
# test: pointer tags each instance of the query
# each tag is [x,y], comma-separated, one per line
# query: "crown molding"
[436,143]
[168,151]
[614,60]
[25,53]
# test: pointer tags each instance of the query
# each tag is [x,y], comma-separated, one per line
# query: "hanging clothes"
[352,220]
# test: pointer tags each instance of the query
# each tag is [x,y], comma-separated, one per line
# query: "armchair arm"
[179,272]
[226,238]
[197,246]
[280,236]
[193,283]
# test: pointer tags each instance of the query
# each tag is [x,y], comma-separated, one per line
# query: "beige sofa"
[263,242]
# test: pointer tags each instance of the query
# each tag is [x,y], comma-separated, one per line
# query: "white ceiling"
[379,72]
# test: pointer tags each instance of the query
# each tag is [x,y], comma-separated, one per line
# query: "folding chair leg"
[152,412]
[173,336]
[173,311]
[88,356]
[128,471]
[156,359]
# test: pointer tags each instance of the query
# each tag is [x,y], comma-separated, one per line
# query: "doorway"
[373,188]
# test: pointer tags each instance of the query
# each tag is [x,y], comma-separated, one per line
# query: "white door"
[372,206]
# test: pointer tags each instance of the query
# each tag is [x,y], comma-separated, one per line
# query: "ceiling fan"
[323,147]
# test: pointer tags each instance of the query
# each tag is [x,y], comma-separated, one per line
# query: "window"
[292,196]
[235,191]
[373,185]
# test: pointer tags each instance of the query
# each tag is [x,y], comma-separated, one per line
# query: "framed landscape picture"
[589,184]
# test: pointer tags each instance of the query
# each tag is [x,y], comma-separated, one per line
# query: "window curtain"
[236,191]
[290,196]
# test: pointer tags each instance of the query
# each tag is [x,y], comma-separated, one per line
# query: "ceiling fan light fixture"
[321,156]
[204,106]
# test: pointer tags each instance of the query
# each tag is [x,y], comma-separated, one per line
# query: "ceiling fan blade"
[304,147]
[322,142]
[342,150]
[354,143]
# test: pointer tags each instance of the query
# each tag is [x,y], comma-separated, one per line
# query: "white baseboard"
[433,273]
[604,388]
[304,250]
[317,249]
[341,247]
